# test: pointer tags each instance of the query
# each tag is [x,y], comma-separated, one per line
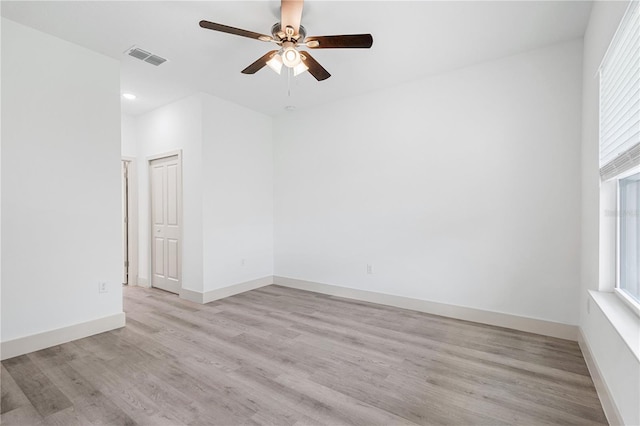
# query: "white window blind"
[620,98]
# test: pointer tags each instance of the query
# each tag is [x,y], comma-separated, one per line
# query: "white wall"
[617,364]
[227,188]
[461,188]
[128,136]
[238,194]
[60,183]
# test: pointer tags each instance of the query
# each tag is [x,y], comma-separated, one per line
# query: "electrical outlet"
[102,287]
[369,269]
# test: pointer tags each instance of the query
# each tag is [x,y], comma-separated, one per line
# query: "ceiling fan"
[290,35]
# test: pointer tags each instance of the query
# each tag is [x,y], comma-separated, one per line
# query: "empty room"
[288,212]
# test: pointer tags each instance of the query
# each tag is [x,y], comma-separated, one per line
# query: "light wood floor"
[282,357]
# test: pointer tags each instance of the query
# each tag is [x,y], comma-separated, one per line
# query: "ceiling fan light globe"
[290,57]
[275,63]
[299,69]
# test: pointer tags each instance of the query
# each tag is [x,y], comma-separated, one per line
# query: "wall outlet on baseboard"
[369,268]
[102,287]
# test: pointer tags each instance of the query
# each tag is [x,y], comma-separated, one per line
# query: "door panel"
[172,259]
[172,195]
[157,185]
[159,258]
[166,186]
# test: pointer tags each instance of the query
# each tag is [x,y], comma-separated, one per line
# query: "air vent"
[155,60]
[143,55]
[139,53]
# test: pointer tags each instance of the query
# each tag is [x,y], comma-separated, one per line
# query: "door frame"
[151,158]
[132,219]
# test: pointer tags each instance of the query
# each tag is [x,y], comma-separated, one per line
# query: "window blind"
[620,98]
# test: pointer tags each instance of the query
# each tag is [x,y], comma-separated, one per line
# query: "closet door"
[165,176]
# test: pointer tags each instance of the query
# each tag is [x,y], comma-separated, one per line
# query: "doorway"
[129,222]
[165,178]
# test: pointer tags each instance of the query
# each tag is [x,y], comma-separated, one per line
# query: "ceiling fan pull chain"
[288,82]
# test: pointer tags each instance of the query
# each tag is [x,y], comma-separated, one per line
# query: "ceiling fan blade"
[260,63]
[315,69]
[291,14]
[235,31]
[362,41]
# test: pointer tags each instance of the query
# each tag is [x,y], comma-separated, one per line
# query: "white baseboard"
[221,293]
[608,405]
[191,296]
[142,282]
[35,342]
[531,325]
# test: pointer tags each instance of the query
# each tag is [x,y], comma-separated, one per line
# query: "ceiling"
[412,39]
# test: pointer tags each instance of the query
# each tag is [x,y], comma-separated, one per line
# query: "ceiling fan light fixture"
[299,69]
[275,63]
[290,35]
[291,57]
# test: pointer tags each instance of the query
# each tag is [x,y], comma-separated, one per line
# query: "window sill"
[623,319]
[627,300]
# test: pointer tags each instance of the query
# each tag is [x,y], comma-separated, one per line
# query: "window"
[620,150]
[620,98]
[629,237]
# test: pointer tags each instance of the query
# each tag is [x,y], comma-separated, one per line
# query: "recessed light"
[129,96]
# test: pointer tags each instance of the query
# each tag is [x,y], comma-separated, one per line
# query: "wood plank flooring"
[280,356]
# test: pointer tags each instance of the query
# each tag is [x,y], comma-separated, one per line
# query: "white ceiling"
[412,39]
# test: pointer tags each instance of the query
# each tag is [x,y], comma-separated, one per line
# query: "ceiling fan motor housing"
[278,34]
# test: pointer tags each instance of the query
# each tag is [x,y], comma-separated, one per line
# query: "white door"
[165,175]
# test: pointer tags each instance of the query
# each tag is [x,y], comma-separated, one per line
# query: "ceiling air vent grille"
[155,60]
[143,55]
